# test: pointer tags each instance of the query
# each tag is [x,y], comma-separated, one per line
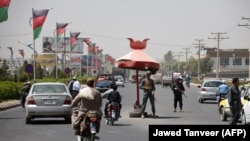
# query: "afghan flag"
[11,51]
[60,29]
[73,38]
[21,52]
[4,6]
[39,17]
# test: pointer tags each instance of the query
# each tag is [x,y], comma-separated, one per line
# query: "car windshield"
[212,84]
[41,89]
[118,77]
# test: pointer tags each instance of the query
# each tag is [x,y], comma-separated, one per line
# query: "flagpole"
[34,57]
[87,63]
[56,51]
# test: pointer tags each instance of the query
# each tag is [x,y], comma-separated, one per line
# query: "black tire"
[243,118]
[134,114]
[68,119]
[28,120]
[137,114]
[92,137]
[112,121]
[223,115]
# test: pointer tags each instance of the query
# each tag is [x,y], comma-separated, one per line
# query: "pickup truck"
[103,82]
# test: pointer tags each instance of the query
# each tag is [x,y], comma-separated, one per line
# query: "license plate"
[92,127]
[49,101]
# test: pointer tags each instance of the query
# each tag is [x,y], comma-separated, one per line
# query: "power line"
[200,45]
[178,55]
[186,52]
[246,25]
[218,39]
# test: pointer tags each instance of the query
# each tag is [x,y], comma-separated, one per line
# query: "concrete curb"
[9,104]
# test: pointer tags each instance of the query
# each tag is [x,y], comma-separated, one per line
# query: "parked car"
[245,115]
[103,82]
[224,109]
[48,99]
[119,80]
[208,89]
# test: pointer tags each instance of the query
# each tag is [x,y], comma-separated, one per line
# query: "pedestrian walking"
[234,100]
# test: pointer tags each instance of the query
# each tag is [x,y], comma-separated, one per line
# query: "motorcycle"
[112,113]
[90,127]
[187,84]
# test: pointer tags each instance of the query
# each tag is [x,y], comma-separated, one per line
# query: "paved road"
[13,127]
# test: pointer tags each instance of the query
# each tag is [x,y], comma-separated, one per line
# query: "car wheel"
[68,119]
[223,115]
[201,100]
[28,120]
[243,118]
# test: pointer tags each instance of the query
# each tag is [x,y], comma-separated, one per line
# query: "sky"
[171,25]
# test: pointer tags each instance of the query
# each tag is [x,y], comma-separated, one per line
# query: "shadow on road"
[117,124]
[56,121]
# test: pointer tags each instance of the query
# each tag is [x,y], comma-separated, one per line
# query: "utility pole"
[186,52]
[200,45]
[218,39]
[247,25]
[179,55]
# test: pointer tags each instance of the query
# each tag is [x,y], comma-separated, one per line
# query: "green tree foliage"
[39,71]
[206,64]
[169,62]
[4,71]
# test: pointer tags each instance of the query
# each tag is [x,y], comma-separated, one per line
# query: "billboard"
[47,60]
[86,60]
[63,46]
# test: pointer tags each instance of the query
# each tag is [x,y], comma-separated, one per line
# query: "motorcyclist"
[74,87]
[222,91]
[25,89]
[114,96]
[88,99]
[105,95]
[187,80]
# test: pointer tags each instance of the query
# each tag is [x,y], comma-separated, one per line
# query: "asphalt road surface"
[13,127]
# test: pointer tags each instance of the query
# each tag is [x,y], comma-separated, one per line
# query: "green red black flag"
[39,17]
[60,28]
[4,6]
[73,38]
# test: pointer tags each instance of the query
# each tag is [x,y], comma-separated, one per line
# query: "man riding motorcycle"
[25,89]
[88,99]
[222,91]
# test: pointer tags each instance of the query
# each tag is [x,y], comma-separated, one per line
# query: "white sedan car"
[245,115]
[119,81]
[48,99]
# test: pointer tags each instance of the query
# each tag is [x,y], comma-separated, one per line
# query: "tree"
[206,64]
[4,71]
[39,71]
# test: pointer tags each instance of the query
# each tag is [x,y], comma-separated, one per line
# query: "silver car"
[50,99]
[208,89]
[119,81]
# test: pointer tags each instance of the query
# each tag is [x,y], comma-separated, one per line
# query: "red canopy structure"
[138,60]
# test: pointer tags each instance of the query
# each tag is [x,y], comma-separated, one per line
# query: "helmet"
[223,81]
[74,78]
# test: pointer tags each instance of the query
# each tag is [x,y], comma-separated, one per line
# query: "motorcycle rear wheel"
[90,138]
